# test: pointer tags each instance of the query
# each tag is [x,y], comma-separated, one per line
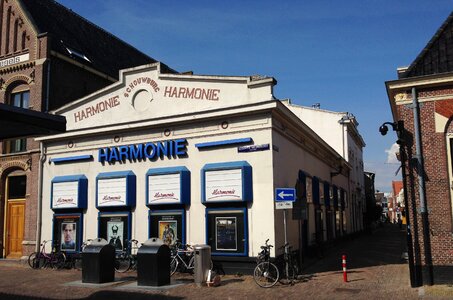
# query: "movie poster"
[168,231]
[226,233]
[68,239]
[115,233]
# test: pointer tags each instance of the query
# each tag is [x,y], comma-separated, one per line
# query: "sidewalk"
[375,271]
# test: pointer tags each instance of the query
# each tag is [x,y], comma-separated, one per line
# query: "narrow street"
[375,271]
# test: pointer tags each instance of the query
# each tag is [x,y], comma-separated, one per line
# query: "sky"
[336,53]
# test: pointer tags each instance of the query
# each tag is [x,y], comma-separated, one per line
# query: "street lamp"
[415,275]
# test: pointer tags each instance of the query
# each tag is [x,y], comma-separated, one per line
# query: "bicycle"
[41,259]
[289,266]
[266,274]
[126,259]
[77,258]
[182,257]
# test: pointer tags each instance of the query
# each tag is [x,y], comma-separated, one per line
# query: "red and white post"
[345,274]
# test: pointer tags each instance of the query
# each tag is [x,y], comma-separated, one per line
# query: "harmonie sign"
[151,151]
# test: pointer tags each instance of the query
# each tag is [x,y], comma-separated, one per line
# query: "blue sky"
[337,53]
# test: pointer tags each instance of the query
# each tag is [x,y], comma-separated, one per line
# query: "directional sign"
[285,194]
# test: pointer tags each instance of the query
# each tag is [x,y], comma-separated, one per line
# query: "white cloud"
[391,154]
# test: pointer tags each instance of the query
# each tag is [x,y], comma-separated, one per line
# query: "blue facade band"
[223,143]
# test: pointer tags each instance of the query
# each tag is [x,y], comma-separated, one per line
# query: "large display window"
[115,228]
[67,232]
[168,225]
[226,230]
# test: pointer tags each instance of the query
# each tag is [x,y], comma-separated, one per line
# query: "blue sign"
[285,194]
[171,149]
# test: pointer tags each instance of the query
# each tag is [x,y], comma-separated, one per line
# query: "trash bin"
[202,263]
[153,263]
[98,259]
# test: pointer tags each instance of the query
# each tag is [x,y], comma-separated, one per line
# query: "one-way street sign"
[285,194]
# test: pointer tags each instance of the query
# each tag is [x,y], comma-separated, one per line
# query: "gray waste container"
[153,263]
[98,259]
[202,263]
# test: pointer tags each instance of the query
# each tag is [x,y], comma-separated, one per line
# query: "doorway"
[15,215]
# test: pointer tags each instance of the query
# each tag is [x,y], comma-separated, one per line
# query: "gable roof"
[437,55]
[74,36]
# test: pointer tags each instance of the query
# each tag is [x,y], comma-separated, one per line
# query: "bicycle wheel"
[57,260]
[266,274]
[173,265]
[78,262]
[33,261]
[122,264]
[290,274]
[191,264]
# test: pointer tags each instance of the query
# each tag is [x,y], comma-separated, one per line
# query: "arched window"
[8,21]
[24,37]
[15,37]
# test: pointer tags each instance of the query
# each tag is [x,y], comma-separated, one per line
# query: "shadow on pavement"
[4,296]
[118,295]
[385,246]
[111,295]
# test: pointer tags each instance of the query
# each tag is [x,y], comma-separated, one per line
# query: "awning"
[16,122]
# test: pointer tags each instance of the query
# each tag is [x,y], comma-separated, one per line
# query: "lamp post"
[415,276]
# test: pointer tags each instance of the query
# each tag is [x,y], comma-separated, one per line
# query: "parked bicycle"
[288,265]
[54,259]
[77,257]
[266,274]
[127,259]
[183,258]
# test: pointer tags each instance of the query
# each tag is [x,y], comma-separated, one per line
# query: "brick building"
[422,97]
[49,56]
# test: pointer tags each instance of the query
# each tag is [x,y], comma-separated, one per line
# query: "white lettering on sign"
[224,185]
[191,93]
[112,192]
[165,188]
[14,60]
[65,194]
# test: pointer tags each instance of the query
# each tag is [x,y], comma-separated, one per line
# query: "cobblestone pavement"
[375,271]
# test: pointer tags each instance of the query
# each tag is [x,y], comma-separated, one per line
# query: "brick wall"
[437,187]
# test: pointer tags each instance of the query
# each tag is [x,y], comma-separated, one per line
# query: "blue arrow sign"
[285,194]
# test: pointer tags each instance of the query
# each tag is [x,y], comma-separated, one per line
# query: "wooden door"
[15,228]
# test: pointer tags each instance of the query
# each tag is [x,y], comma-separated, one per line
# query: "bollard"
[345,274]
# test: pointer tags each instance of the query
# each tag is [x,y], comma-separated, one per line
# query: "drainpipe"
[428,270]
[42,159]
[415,276]
[47,86]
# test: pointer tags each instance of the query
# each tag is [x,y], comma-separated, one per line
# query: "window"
[17,187]
[14,146]
[309,190]
[18,99]
[227,231]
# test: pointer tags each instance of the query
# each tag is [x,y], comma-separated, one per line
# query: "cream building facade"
[340,131]
[189,157]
